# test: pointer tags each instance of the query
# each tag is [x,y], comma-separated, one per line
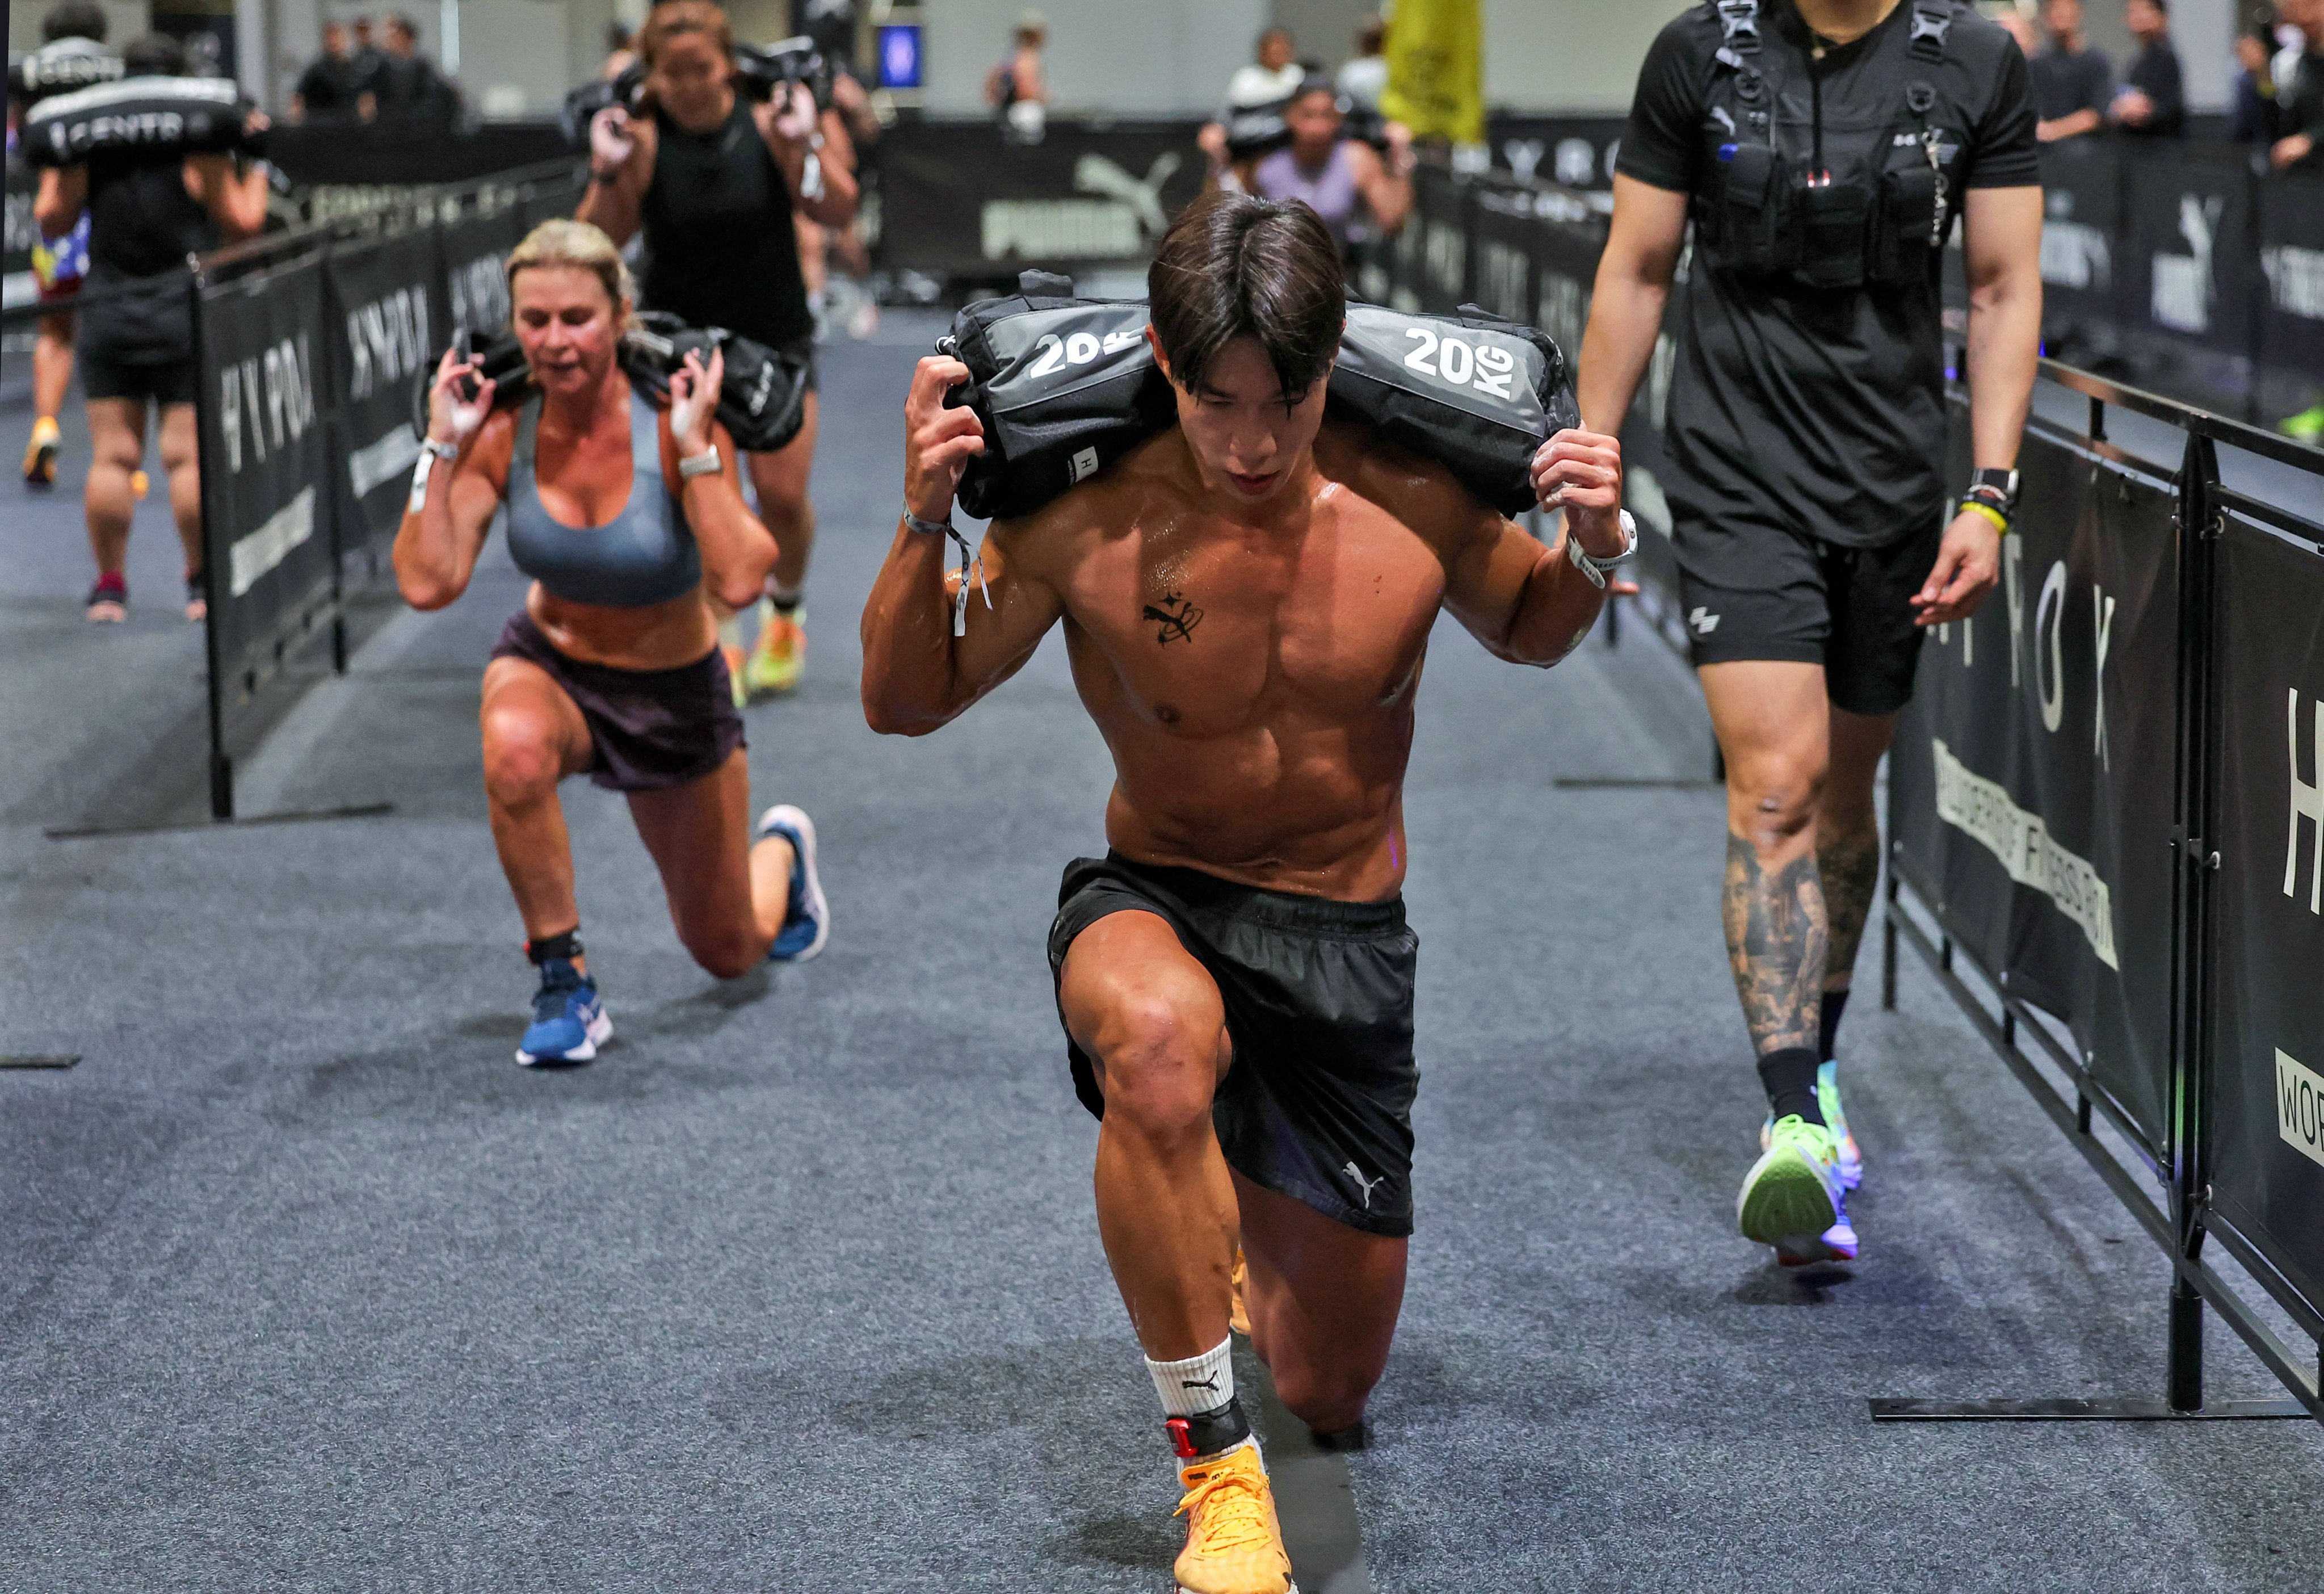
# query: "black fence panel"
[958,200]
[265,465]
[2032,787]
[1436,238]
[389,316]
[2266,1043]
[471,256]
[2081,299]
[2292,263]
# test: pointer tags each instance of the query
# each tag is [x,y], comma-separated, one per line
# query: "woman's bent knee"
[522,762]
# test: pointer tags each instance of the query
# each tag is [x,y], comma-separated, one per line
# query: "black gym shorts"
[171,383]
[1317,1104]
[650,730]
[1751,591]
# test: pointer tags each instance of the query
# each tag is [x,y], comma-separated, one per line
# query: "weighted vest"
[1830,203]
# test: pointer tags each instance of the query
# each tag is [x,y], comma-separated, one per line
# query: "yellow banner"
[1436,68]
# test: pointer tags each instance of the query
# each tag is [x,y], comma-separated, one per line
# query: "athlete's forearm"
[1555,612]
[608,206]
[429,569]
[1625,317]
[911,675]
[737,551]
[2005,349]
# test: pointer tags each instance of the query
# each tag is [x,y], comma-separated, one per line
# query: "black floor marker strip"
[1312,1493]
[39,1058]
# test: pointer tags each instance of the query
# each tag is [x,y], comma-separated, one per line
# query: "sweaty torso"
[1255,682]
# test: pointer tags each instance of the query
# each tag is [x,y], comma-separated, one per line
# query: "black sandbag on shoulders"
[195,115]
[1063,386]
[1475,393]
[63,66]
[761,397]
[1066,386]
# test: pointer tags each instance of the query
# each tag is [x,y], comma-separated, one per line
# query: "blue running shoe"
[807,919]
[568,1019]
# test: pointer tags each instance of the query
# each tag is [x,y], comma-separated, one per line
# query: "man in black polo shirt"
[2152,100]
[1823,150]
[2072,82]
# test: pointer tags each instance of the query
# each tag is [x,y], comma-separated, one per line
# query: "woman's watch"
[1598,568]
[706,463]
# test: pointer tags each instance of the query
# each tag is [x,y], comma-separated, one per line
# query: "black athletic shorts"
[169,384]
[1317,1105]
[650,730]
[1757,591]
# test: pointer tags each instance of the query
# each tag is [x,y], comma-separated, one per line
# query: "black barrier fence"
[309,344]
[959,201]
[2106,801]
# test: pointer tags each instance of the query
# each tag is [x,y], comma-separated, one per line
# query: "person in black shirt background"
[2152,99]
[2253,119]
[1823,150]
[2299,100]
[406,83]
[327,89]
[2072,83]
[714,181]
[148,209]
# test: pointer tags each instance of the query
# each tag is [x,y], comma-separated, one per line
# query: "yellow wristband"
[2000,521]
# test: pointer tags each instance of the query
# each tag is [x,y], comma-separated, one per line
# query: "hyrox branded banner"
[265,462]
[959,198]
[2032,784]
[390,319]
[2267,902]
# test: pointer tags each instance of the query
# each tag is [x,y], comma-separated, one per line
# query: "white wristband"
[703,464]
[431,450]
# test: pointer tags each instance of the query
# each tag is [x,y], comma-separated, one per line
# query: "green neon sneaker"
[1792,1198]
[1851,1160]
[779,655]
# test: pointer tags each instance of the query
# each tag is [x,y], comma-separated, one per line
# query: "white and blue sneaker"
[1851,1159]
[807,918]
[568,1019]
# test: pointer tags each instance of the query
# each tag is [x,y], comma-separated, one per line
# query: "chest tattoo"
[1175,619]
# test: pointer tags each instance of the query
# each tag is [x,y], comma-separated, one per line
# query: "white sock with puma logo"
[1202,1382]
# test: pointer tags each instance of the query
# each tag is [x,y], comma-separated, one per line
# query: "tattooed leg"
[1777,941]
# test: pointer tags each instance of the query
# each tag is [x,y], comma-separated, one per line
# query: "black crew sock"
[1835,1003]
[1789,1077]
[565,947]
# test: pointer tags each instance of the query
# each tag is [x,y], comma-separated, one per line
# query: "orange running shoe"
[140,484]
[41,454]
[779,656]
[1234,1544]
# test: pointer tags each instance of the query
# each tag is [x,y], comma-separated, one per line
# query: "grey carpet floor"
[306,1286]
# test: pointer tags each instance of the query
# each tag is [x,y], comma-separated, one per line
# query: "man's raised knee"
[1158,1050]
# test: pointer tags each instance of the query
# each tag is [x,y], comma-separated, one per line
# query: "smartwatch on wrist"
[1994,495]
[706,463]
[1598,568]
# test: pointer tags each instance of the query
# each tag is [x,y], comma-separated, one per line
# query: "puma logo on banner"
[2182,296]
[2298,1105]
[1120,222]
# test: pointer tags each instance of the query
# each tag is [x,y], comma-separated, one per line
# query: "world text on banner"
[2299,1103]
[1983,811]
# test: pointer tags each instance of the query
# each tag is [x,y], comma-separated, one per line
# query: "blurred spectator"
[831,24]
[620,49]
[2300,101]
[2071,82]
[2251,119]
[409,85]
[1275,76]
[1363,80]
[365,57]
[2152,100]
[327,89]
[1017,88]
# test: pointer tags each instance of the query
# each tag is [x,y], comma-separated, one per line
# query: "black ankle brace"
[566,947]
[1206,1433]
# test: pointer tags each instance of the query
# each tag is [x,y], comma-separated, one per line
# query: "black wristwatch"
[1996,492]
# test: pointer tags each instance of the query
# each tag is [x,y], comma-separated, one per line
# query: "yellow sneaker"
[1238,1312]
[779,655]
[1234,1545]
[140,484]
[41,453]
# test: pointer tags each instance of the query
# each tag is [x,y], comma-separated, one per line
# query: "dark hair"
[155,55]
[617,35]
[1316,83]
[671,18]
[73,19]
[403,24]
[1372,37]
[1234,266]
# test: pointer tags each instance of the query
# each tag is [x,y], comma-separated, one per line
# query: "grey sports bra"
[644,555]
